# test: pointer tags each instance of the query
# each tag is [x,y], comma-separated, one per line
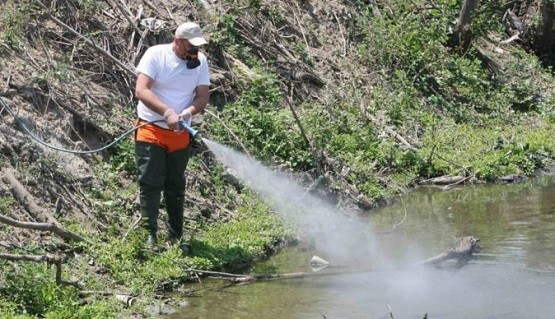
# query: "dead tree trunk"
[25,198]
[464,249]
[462,35]
[546,38]
[65,234]
[236,278]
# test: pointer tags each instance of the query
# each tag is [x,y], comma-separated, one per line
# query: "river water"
[512,276]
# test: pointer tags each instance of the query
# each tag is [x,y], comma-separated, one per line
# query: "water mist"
[341,237]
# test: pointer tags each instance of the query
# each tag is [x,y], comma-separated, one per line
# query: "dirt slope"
[71,81]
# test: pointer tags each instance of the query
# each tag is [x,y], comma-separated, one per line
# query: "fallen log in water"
[464,249]
[237,278]
[446,180]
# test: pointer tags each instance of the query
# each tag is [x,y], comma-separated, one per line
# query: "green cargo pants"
[159,172]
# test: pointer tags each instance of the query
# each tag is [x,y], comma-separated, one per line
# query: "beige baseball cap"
[192,32]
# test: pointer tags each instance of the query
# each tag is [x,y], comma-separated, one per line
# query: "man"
[172,85]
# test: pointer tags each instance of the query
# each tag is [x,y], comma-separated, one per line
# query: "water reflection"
[511,277]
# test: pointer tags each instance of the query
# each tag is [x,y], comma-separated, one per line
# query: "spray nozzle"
[194,133]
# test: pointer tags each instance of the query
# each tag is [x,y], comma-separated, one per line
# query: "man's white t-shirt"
[173,83]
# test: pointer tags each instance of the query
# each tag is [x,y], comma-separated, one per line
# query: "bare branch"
[24,197]
[391,133]
[49,259]
[230,132]
[42,227]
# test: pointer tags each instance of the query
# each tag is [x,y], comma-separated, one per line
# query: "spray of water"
[340,236]
[472,292]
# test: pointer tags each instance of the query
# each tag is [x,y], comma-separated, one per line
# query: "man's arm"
[144,93]
[202,95]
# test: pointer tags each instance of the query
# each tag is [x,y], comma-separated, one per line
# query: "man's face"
[183,47]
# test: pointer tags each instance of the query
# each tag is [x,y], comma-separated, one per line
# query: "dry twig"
[230,132]
[49,259]
[88,41]
[26,199]
[42,227]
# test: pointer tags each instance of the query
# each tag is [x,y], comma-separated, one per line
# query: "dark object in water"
[464,249]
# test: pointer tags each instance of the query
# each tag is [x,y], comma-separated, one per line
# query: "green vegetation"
[264,125]
[29,291]
[463,114]
[6,204]
[239,242]
[124,263]
[400,106]
[14,16]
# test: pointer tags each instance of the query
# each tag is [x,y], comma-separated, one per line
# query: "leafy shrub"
[30,291]
[265,126]
[14,18]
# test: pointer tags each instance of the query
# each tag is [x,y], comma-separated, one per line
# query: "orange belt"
[162,137]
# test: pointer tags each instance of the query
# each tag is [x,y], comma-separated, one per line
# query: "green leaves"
[487,152]
[264,125]
[31,289]
[129,261]
[14,16]
[241,241]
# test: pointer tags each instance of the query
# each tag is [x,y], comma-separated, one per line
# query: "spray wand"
[194,133]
